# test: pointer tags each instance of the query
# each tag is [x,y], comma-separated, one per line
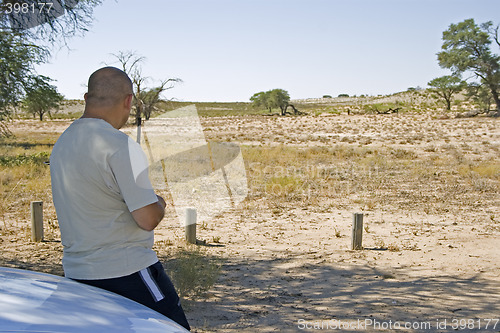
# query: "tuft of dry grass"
[192,270]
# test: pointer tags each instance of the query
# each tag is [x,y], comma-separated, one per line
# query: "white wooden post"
[190,225]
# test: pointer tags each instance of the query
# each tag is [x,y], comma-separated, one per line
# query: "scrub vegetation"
[427,182]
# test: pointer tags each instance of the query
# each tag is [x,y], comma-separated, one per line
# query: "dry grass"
[24,177]
[412,175]
[193,271]
[382,177]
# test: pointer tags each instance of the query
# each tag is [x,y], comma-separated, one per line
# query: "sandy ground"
[292,270]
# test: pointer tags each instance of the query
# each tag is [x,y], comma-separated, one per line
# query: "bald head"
[107,87]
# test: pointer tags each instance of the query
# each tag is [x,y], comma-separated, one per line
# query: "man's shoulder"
[91,134]
[94,127]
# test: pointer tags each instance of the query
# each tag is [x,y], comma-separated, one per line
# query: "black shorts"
[150,287]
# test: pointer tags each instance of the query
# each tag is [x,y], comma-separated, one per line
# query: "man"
[106,208]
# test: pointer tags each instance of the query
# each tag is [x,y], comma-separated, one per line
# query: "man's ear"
[128,101]
[85,96]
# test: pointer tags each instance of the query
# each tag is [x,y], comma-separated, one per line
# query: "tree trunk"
[295,111]
[284,108]
[448,104]
[494,93]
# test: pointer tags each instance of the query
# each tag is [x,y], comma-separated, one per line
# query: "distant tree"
[150,99]
[327,96]
[413,89]
[480,94]
[145,99]
[279,98]
[41,97]
[466,48]
[343,95]
[271,99]
[261,99]
[447,86]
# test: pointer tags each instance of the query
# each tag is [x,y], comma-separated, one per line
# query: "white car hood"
[38,302]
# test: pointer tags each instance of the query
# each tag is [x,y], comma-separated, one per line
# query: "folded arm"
[148,217]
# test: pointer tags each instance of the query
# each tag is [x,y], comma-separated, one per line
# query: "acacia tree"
[466,48]
[447,86]
[261,99]
[145,99]
[41,97]
[279,98]
[150,99]
[481,95]
[276,98]
[17,60]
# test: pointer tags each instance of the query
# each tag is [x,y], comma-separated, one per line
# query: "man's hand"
[148,217]
[161,201]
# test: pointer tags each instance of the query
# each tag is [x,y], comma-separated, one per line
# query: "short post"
[190,225]
[139,123]
[357,231]
[37,221]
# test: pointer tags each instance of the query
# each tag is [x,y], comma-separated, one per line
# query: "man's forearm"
[150,216]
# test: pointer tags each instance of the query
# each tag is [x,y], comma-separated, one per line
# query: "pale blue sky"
[227,50]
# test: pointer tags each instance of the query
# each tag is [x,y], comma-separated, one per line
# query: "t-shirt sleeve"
[130,167]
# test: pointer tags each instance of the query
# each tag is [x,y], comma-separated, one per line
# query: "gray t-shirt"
[95,186]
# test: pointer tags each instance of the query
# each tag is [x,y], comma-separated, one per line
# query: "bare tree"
[145,98]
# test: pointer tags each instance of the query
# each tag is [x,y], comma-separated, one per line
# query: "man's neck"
[100,115]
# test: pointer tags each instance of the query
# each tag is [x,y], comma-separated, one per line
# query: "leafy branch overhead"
[48,22]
